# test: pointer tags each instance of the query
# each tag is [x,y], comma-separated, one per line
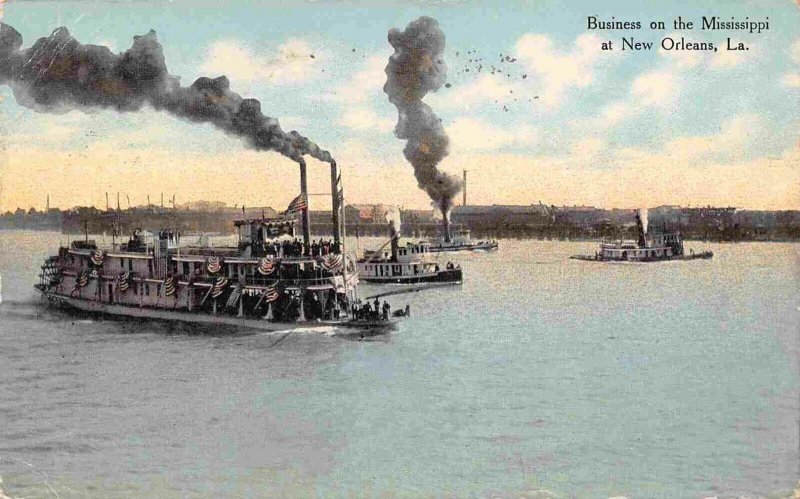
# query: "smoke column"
[393,218]
[58,73]
[416,68]
[643,217]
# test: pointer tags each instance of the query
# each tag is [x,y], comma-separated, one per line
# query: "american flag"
[298,204]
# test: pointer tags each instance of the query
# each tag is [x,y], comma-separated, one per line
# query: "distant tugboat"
[269,281]
[459,240]
[656,248]
[413,263]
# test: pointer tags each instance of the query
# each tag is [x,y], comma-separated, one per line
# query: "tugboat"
[662,247]
[413,263]
[269,281]
[459,240]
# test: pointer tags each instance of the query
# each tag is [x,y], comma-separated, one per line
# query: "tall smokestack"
[335,203]
[446,219]
[464,191]
[305,220]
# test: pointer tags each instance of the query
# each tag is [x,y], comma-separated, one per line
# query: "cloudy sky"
[559,121]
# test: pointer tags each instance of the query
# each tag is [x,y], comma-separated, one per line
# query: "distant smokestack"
[395,242]
[465,189]
[106,201]
[446,216]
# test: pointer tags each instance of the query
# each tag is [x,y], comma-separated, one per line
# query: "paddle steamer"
[270,280]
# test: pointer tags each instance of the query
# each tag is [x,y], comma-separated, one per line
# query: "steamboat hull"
[452,276]
[138,313]
[464,247]
[706,255]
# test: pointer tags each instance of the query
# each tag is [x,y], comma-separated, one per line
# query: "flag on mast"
[298,204]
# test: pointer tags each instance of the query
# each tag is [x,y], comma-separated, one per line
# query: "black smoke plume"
[58,73]
[416,68]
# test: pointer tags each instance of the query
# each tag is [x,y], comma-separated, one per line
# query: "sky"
[560,122]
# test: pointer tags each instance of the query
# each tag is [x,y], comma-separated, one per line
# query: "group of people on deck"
[297,248]
[374,312]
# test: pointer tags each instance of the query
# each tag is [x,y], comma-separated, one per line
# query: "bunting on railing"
[271,294]
[124,281]
[169,285]
[332,262]
[219,287]
[213,264]
[98,257]
[81,280]
[266,267]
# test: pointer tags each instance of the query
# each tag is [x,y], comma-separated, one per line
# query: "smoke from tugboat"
[416,68]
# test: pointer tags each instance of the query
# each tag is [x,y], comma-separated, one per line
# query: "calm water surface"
[540,376]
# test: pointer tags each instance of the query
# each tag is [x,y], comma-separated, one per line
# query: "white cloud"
[733,138]
[468,134]
[483,89]
[560,71]
[364,118]
[794,51]
[292,62]
[791,80]
[365,83]
[681,59]
[655,88]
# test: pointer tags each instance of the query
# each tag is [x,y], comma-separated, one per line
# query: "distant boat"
[459,240]
[660,247]
[412,263]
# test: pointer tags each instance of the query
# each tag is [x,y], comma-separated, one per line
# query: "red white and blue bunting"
[169,285]
[266,267]
[124,281]
[81,280]
[213,264]
[271,294]
[332,262]
[98,257]
[219,287]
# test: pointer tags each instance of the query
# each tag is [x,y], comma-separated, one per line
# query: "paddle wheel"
[51,273]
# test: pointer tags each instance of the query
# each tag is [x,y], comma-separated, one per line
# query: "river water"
[539,377]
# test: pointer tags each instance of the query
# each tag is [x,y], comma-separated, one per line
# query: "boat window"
[130,264]
[147,289]
[122,263]
[186,268]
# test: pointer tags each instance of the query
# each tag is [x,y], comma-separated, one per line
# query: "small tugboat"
[270,281]
[459,240]
[412,263]
[661,247]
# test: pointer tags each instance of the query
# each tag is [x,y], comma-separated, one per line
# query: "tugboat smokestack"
[395,243]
